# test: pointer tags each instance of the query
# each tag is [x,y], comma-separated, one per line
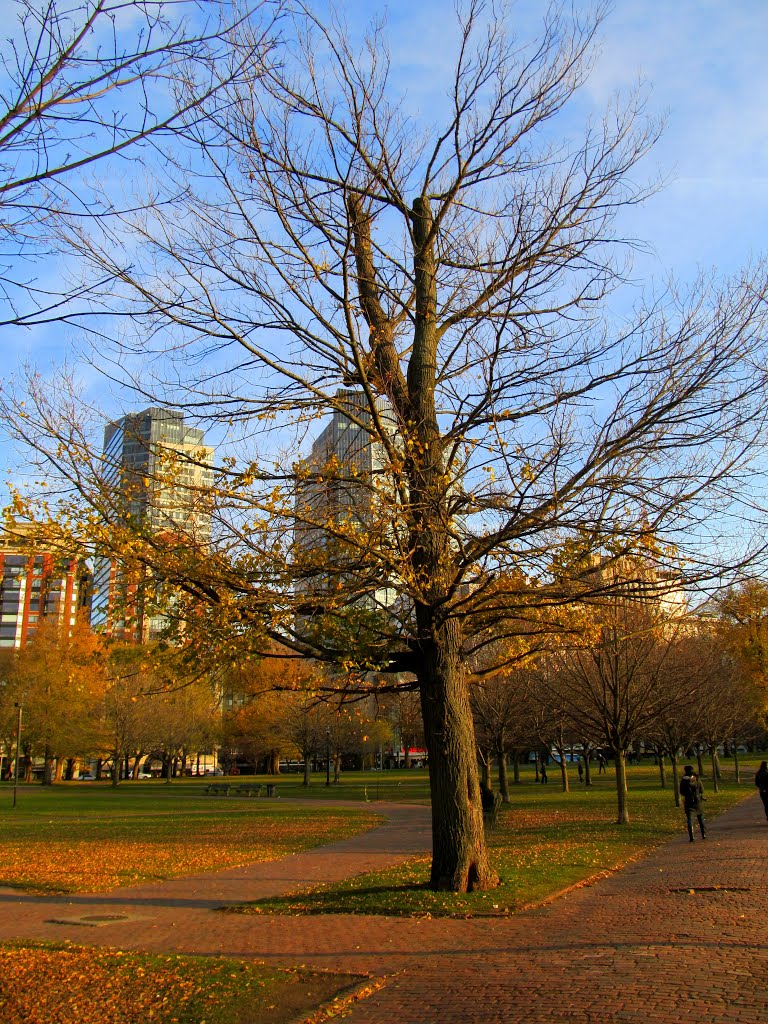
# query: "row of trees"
[84,700]
[629,678]
[669,695]
[633,670]
[305,228]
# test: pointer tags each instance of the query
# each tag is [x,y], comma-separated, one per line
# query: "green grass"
[398,785]
[52,984]
[544,842]
[81,837]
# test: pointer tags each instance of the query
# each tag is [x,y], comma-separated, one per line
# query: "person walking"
[692,793]
[761,781]
[544,779]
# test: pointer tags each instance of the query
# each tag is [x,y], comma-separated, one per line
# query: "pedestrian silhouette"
[761,781]
[692,793]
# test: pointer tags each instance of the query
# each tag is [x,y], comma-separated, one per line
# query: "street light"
[18,742]
[328,756]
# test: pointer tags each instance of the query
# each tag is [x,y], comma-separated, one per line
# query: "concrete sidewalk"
[621,950]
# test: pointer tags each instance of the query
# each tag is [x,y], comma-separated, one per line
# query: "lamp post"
[18,743]
[328,756]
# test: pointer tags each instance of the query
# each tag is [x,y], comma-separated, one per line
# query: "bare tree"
[612,685]
[403,712]
[82,81]
[503,718]
[443,286]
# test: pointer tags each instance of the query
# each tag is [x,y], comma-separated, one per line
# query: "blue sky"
[703,62]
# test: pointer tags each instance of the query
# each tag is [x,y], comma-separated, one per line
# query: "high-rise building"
[159,469]
[341,491]
[163,469]
[36,586]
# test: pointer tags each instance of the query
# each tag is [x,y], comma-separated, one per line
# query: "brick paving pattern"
[676,937]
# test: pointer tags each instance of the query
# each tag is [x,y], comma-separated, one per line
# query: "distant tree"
[743,630]
[611,685]
[8,713]
[728,698]
[683,675]
[501,706]
[126,716]
[60,681]
[403,711]
[183,719]
[304,726]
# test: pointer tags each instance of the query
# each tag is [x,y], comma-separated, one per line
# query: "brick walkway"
[620,950]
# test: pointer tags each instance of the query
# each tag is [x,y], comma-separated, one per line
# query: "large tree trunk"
[622,812]
[459,855]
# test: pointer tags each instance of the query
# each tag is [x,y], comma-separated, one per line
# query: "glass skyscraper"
[158,469]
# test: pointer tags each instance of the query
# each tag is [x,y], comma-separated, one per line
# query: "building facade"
[38,586]
[159,470]
[340,492]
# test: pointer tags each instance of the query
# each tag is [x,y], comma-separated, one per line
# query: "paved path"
[620,950]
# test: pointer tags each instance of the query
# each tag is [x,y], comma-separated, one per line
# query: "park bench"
[217,789]
[248,789]
[271,789]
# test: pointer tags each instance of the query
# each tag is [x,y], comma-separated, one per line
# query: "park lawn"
[544,842]
[399,785]
[58,984]
[82,838]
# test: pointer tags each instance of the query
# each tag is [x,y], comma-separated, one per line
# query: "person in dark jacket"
[692,792]
[761,781]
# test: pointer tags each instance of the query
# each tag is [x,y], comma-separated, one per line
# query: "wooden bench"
[217,789]
[252,789]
